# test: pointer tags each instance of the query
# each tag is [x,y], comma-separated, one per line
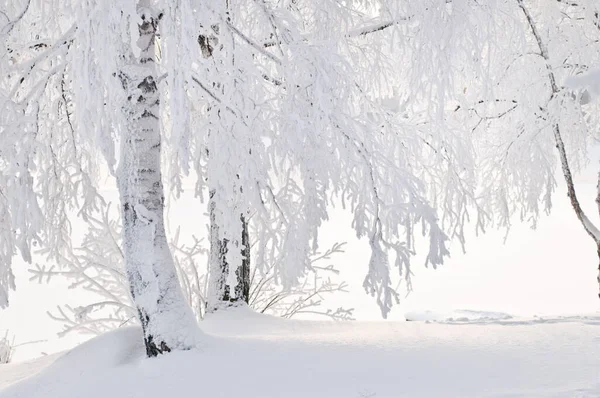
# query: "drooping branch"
[361,31]
[212,95]
[254,45]
[60,47]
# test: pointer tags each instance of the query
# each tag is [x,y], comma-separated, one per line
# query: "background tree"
[522,132]
[305,129]
[500,140]
[217,44]
[564,109]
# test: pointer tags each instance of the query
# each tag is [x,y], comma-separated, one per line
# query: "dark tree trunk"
[219,267]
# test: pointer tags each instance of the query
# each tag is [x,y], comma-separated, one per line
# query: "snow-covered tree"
[229,275]
[522,116]
[572,116]
[90,84]
[299,105]
[514,78]
[277,114]
[280,109]
[149,264]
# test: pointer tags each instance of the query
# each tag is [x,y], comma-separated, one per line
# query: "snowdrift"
[255,356]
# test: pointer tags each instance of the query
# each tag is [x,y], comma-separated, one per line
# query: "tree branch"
[254,45]
[366,30]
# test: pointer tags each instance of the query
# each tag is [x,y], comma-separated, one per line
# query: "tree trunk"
[166,319]
[220,291]
[213,44]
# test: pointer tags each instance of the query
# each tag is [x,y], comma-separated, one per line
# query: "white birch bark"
[167,320]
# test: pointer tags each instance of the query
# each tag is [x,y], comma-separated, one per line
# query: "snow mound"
[13,372]
[255,356]
[110,350]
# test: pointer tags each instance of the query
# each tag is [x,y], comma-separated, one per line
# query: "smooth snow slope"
[254,356]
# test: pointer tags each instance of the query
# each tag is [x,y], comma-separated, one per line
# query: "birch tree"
[528,120]
[217,44]
[568,108]
[116,99]
[166,319]
[519,83]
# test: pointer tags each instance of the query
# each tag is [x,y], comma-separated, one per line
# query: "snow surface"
[250,355]
[456,316]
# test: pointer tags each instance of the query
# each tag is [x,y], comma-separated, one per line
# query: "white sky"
[549,271]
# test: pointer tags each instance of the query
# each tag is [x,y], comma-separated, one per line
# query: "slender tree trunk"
[167,321]
[213,45]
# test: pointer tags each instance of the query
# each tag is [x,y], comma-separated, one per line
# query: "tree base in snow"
[153,350]
[223,305]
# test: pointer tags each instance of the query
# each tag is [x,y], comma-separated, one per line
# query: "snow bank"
[255,356]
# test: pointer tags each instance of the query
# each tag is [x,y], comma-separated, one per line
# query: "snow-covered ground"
[255,356]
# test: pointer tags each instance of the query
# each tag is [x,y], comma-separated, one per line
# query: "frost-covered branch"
[376,27]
